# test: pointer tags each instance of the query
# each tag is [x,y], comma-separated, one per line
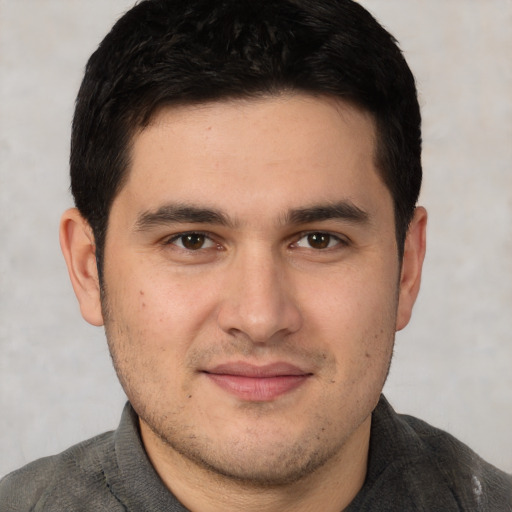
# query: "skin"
[270,273]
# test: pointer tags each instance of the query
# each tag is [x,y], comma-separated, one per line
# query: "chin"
[274,469]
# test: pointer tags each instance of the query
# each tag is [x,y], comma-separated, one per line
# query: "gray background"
[452,365]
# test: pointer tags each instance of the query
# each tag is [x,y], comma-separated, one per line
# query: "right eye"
[192,241]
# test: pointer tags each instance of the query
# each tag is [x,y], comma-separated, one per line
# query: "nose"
[259,300]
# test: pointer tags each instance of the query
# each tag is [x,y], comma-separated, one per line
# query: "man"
[246,178]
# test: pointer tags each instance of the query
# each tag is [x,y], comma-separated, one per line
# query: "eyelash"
[339,241]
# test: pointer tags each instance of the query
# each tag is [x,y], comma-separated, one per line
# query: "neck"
[330,488]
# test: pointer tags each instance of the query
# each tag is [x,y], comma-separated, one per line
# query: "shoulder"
[62,482]
[469,477]
[435,467]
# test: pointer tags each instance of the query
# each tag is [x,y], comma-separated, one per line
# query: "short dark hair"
[179,52]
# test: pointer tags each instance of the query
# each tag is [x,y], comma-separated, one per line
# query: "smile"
[257,383]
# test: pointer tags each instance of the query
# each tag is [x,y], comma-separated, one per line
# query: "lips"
[257,383]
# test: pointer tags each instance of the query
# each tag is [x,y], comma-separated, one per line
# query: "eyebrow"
[343,210]
[176,213]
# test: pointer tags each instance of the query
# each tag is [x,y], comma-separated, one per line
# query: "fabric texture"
[412,467]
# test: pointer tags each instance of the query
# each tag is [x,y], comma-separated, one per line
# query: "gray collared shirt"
[412,467]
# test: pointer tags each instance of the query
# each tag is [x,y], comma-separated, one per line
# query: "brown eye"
[192,241]
[319,240]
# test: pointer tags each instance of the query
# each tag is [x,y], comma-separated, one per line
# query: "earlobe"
[79,250]
[412,264]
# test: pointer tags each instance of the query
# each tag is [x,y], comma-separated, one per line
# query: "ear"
[79,249]
[412,264]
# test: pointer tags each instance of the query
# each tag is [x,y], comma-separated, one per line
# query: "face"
[252,284]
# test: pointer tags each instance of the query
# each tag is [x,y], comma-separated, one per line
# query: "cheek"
[147,344]
[147,330]
[352,301]
[354,315]
[162,304]
[156,324]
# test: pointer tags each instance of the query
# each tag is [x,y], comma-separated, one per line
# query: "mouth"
[257,383]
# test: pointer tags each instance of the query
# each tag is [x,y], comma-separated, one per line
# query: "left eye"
[318,240]
[192,241]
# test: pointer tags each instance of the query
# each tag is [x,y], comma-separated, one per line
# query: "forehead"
[277,152]
[291,116]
